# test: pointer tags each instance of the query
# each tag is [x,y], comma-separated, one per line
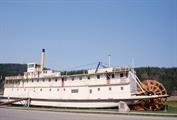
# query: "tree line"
[167,76]
[10,70]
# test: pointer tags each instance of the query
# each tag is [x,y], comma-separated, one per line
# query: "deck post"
[28,102]
[123,107]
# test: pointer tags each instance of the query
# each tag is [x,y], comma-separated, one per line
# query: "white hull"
[94,103]
[78,104]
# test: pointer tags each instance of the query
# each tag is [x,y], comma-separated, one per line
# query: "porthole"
[110,88]
[98,89]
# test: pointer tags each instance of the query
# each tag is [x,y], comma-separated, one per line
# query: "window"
[72,78]
[49,80]
[88,77]
[18,82]
[98,89]
[74,91]
[90,91]
[37,80]
[58,89]
[43,80]
[121,75]
[41,89]
[113,76]
[122,88]
[55,80]
[126,74]
[110,88]
[32,80]
[80,78]
[98,76]
[30,65]
[50,89]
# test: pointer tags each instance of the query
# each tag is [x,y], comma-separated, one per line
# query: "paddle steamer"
[92,88]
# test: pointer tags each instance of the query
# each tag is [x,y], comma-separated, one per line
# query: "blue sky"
[81,32]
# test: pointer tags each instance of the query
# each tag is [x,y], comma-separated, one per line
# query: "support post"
[123,107]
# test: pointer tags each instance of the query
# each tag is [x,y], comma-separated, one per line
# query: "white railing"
[14,77]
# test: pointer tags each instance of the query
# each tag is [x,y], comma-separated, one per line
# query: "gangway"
[14,100]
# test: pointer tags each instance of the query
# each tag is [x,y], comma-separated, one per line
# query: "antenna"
[109,56]
[133,63]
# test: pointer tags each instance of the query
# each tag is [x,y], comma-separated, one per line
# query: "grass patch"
[172,107]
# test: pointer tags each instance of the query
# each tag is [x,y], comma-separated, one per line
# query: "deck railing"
[14,77]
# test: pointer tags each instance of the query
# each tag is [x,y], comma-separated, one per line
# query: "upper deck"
[35,74]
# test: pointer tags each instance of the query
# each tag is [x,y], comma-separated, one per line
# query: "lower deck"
[114,91]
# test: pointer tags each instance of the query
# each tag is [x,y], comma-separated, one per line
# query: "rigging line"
[81,66]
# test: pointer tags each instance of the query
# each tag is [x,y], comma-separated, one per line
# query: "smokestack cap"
[43,50]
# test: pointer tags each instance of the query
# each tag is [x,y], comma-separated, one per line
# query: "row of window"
[98,77]
[108,76]
[72,90]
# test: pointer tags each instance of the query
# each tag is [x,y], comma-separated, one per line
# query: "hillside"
[167,76]
[9,70]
